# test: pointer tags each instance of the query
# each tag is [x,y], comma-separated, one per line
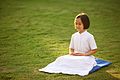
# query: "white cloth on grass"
[69,64]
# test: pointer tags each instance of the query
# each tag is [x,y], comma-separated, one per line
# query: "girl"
[80,59]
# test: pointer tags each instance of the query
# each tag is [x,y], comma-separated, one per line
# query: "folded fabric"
[80,65]
[100,63]
[69,64]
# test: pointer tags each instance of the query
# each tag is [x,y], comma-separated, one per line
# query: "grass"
[34,33]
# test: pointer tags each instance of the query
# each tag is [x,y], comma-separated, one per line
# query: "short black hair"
[85,20]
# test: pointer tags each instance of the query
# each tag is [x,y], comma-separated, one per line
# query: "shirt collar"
[82,32]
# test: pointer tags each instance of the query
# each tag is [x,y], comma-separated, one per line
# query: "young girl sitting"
[80,59]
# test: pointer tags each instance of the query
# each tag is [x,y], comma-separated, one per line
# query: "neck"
[82,31]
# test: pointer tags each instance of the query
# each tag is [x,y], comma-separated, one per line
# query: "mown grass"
[34,33]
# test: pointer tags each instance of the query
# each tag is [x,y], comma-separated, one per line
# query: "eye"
[79,23]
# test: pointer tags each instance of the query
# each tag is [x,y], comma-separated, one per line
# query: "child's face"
[79,25]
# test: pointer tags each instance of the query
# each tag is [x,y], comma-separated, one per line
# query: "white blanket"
[69,64]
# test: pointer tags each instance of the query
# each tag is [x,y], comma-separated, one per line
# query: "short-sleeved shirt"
[82,42]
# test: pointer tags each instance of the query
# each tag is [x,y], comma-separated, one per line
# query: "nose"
[77,26]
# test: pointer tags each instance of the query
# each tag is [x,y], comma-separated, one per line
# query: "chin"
[78,30]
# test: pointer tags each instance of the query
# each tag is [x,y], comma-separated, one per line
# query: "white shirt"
[82,42]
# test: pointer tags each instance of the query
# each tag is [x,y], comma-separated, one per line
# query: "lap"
[76,59]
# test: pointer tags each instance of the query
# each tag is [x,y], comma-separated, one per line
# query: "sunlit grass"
[34,33]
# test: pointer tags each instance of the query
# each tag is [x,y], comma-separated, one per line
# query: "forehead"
[78,20]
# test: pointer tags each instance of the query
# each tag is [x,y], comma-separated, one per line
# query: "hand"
[72,53]
[77,54]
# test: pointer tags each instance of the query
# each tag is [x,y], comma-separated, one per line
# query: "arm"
[71,51]
[91,52]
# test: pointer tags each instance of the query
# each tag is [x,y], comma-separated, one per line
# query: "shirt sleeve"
[92,43]
[71,43]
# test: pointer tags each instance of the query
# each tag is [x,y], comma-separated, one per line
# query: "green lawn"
[34,33]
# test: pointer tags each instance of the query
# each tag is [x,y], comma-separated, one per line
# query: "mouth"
[77,27]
